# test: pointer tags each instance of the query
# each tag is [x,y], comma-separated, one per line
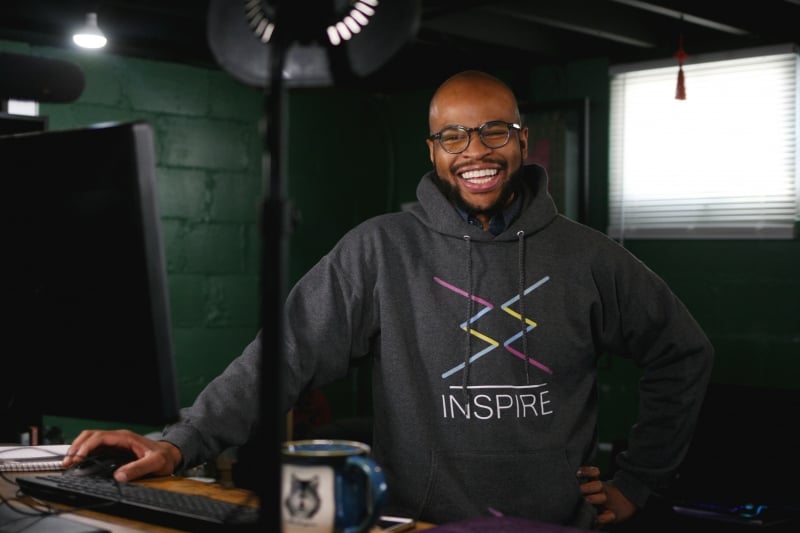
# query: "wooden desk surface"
[117,524]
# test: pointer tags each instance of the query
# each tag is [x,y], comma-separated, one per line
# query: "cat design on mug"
[303,500]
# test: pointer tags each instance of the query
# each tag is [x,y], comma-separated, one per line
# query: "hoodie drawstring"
[470,313]
[522,315]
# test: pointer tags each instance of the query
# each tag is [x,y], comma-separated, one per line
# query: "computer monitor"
[87,330]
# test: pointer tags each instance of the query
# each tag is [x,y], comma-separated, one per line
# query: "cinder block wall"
[210,185]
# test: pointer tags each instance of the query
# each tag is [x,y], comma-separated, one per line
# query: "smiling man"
[484,312]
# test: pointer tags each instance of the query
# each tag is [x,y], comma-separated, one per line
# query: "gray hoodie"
[484,352]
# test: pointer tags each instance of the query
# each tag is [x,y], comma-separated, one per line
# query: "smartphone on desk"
[395,524]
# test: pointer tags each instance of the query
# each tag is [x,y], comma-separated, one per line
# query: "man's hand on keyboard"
[154,457]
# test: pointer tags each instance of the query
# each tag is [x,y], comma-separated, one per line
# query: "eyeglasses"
[494,134]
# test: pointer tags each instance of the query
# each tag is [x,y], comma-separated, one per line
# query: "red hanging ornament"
[680,55]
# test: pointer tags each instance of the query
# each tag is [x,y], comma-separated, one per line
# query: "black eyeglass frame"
[509,125]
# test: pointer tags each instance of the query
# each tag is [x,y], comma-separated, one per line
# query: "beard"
[510,188]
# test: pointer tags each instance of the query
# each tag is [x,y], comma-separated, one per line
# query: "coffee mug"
[330,486]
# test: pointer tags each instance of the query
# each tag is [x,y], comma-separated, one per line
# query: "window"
[723,163]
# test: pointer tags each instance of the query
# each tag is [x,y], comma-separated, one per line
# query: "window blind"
[723,163]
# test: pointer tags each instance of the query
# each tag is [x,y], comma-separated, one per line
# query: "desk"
[117,524]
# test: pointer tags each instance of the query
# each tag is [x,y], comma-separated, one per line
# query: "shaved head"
[481,180]
[469,84]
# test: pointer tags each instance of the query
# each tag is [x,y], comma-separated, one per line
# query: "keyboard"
[191,512]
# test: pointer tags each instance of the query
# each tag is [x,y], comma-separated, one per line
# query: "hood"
[436,212]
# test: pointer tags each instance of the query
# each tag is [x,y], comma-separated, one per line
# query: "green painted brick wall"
[209,153]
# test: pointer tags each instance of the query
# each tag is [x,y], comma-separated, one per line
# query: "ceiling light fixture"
[320,43]
[90,35]
[338,32]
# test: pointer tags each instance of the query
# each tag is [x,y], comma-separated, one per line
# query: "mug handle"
[376,491]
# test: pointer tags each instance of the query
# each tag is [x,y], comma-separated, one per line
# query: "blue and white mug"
[330,486]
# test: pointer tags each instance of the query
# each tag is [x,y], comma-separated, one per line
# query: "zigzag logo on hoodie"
[496,401]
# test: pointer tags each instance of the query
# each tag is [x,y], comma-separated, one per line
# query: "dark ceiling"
[452,34]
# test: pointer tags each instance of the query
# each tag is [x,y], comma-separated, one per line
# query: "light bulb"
[90,36]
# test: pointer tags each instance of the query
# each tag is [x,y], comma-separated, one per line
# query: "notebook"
[17,458]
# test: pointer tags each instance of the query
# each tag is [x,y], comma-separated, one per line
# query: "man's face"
[480,179]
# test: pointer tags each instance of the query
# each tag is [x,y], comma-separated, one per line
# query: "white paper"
[48,451]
